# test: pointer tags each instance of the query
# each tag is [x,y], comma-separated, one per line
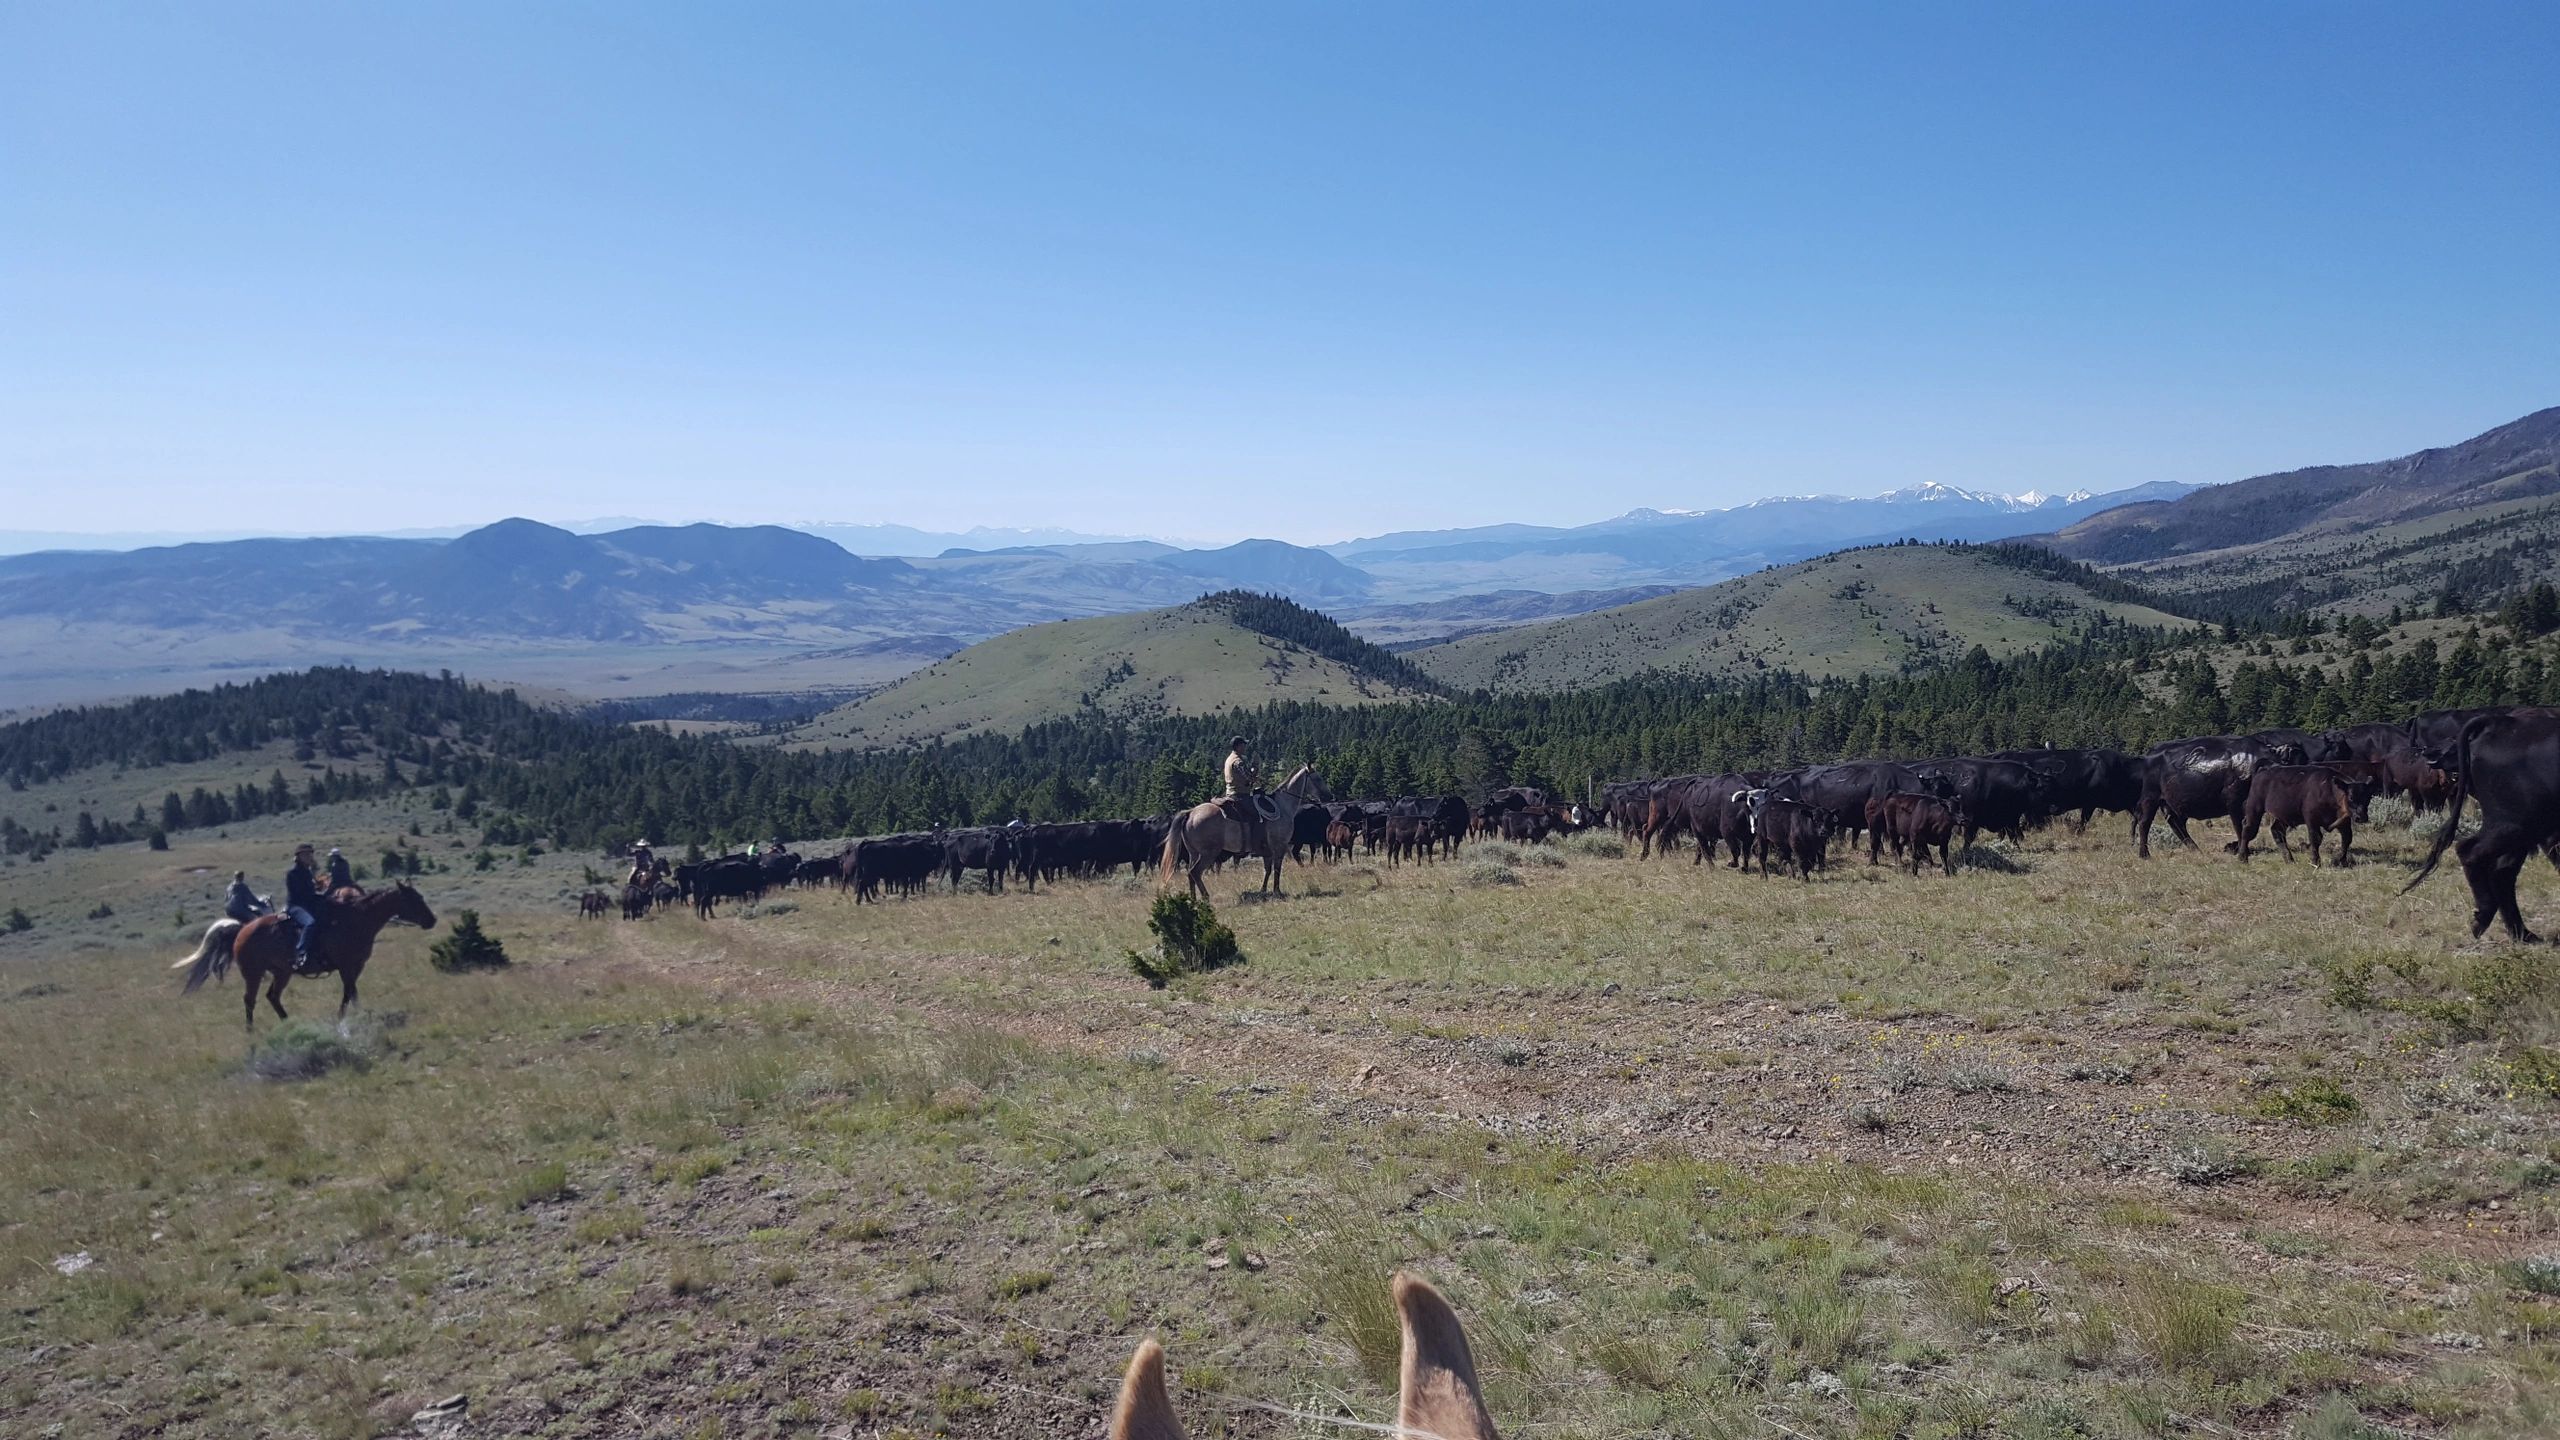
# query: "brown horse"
[263,948]
[1438,1397]
[1205,834]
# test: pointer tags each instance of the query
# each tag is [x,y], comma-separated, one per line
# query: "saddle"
[1254,809]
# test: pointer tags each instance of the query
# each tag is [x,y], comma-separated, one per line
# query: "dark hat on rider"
[1235,742]
[302,849]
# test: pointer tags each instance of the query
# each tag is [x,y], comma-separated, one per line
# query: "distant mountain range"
[889,540]
[1695,547]
[817,604]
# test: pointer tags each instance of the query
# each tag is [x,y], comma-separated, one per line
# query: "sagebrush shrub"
[1190,939]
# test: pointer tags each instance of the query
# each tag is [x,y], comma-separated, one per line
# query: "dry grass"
[937,1165]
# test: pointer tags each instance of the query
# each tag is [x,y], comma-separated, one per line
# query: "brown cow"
[1916,822]
[1417,836]
[2316,796]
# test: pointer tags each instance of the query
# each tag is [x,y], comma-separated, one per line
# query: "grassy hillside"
[1856,612]
[2478,554]
[1188,660]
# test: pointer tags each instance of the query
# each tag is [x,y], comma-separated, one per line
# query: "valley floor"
[2070,1145]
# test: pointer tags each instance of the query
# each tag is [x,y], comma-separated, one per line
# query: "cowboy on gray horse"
[1242,799]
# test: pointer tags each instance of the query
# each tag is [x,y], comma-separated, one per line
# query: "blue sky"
[1296,270]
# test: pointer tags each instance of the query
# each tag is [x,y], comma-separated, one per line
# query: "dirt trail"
[1746,1083]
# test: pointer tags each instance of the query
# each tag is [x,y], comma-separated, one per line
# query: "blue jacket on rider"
[302,901]
[239,903]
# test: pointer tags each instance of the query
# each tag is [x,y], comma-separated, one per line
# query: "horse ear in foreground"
[1440,1399]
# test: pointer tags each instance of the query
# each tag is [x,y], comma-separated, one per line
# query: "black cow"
[1720,809]
[2002,796]
[2437,734]
[727,879]
[1373,824]
[985,849]
[1842,791]
[2511,762]
[1711,815]
[1081,848]
[1799,833]
[2394,762]
[1147,836]
[2201,779]
[1450,816]
[900,863]
[1309,830]
[2288,745]
[2369,743]
[2084,780]
[2314,796]
[1622,805]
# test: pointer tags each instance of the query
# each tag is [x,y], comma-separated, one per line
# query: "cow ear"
[1144,1412]
[1440,1397]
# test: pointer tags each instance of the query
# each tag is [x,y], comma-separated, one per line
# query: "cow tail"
[1172,840]
[2453,812]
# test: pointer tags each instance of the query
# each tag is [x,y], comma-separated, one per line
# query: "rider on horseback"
[239,903]
[644,865]
[341,874]
[1243,800]
[302,901]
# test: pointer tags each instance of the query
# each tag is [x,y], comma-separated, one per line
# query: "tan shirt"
[1240,774]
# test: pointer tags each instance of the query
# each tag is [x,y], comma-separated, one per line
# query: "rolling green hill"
[1221,652]
[1880,610]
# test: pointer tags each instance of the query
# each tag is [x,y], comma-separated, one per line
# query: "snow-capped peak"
[1925,492]
[1930,490]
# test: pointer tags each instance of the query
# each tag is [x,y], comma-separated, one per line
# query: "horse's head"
[410,908]
[1307,785]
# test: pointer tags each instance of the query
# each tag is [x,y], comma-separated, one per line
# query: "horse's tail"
[213,954]
[1173,838]
[2453,813]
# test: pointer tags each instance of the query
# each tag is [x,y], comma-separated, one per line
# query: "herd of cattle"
[2506,758]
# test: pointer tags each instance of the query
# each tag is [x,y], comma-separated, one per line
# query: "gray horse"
[1206,834]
